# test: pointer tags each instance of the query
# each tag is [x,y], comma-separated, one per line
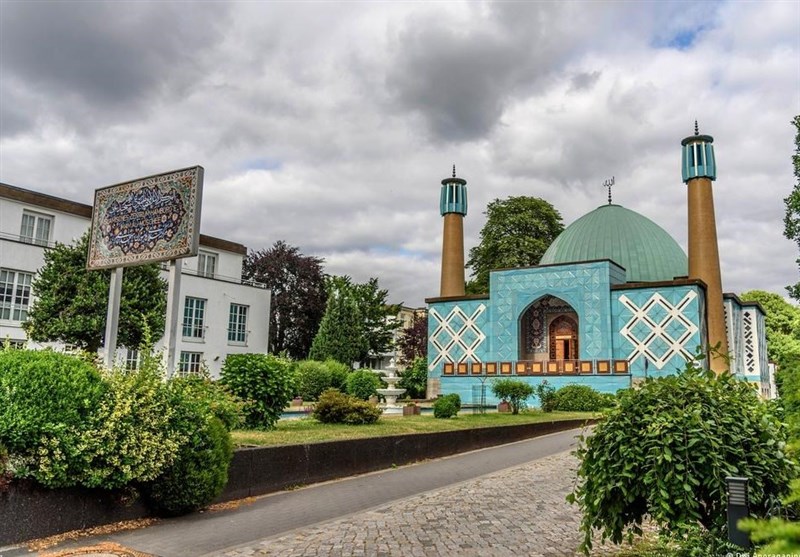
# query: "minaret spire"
[453,207]
[699,170]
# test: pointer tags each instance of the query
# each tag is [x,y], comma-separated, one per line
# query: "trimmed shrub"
[514,391]
[579,398]
[665,449]
[311,379]
[334,407]
[415,379]
[130,436]
[200,470]
[363,384]
[339,374]
[264,382]
[447,406]
[45,400]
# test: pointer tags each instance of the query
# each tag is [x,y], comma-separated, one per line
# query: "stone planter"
[412,410]
[504,407]
[297,401]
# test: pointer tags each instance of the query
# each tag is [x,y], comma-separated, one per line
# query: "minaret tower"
[699,170]
[453,207]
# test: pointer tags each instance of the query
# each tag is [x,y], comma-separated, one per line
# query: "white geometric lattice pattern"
[456,337]
[658,330]
[748,331]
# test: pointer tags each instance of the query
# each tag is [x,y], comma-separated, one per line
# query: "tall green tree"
[356,324]
[792,219]
[377,316]
[298,300]
[71,303]
[341,331]
[517,232]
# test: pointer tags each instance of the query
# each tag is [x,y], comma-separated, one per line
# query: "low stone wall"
[27,512]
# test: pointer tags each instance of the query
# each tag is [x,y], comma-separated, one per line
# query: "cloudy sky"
[330,124]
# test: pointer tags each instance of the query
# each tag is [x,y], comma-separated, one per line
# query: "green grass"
[308,430]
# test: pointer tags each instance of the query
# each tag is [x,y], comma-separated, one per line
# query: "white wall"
[222,290]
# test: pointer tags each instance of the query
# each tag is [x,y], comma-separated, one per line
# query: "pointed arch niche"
[548,330]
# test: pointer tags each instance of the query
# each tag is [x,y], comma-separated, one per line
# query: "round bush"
[311,379]
[445,407]
[339,374]
[334,407]
[45,400]
[363,384]
[264,382]
[665,448]
[513,391]
[199,473]
[579,398]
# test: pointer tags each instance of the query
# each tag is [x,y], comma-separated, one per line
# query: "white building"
[219,313]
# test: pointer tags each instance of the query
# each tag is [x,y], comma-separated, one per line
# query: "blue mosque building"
[613,301]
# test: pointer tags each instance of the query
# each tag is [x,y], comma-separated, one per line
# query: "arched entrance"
[536,339]
[563,338]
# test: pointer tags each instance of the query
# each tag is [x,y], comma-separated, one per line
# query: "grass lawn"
[308,430]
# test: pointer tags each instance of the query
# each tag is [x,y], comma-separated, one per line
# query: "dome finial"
[608,184]
[696,129]
[454,171]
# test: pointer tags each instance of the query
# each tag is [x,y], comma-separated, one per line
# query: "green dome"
[613,232]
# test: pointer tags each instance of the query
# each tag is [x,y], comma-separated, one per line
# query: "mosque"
[613,301]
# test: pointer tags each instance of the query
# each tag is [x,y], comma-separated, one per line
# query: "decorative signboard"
[149,219]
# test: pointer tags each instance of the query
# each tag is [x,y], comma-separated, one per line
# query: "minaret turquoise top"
[453,198]
[698,157]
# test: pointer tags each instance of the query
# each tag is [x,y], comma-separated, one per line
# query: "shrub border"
[254,471]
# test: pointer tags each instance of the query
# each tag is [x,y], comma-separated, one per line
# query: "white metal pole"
[112,317]
[173,307]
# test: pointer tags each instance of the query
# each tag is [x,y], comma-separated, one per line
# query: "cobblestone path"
[518,511]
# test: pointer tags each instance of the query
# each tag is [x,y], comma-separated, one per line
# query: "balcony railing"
[531,368]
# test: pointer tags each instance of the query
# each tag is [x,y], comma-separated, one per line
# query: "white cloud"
[330,125]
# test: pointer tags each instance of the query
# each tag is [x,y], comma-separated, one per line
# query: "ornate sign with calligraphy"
[150,219]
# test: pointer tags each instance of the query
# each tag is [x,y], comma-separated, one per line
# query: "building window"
[237,324]
[190,362]
[35,228]
[15,294]
[193,317]
[132,359]
[206,264]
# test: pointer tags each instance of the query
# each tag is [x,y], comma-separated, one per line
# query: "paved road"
[506,500]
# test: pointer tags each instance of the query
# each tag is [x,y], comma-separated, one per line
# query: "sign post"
[150,219]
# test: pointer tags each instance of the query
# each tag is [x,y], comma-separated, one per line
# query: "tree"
[298,296]
[514,391]
[517,232]
[378,318]
[341,331]
[413,341]
[792,219]
[356,324]
[71,303]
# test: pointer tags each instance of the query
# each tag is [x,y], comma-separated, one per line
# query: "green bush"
[514,391]
[339,374]
[200,470]
[334,407]
[665,449]
[363,384]
[45,400]
[579,398]
[547,396]
[311,379]
[129,438]
[447,406]
[265,383]
[415,379]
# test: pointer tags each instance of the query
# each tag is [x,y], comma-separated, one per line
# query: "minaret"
[453,207]
[699,170]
